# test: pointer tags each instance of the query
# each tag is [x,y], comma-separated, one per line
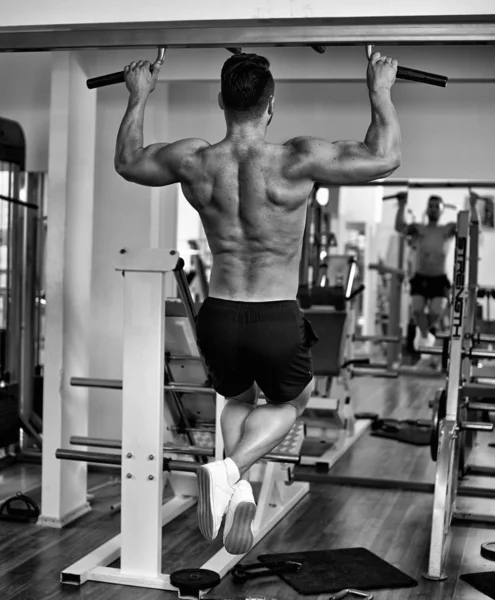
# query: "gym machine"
[455,406]
[329,284]
[21,204]
[158,345]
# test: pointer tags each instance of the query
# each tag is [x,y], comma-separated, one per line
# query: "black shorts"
[430,286]
[264,342]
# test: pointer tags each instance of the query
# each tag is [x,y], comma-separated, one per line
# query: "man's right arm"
[401,226]
[359,162]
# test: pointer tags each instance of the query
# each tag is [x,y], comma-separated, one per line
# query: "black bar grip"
[119,77]
[103,80]
[413,74]
[421,76]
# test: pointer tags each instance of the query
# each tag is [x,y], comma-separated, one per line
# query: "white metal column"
[68,285]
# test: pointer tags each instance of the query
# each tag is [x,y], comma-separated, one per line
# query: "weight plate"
[193,580]
[439,412]
[488,550]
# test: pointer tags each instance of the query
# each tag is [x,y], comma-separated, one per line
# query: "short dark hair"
[437,198]
[247,85]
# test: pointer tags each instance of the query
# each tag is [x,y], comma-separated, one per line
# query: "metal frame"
[466,29]
[139,544]
[448,455]
[451,438]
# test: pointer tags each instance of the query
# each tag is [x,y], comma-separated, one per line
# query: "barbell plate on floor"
[488,550]
[191,581]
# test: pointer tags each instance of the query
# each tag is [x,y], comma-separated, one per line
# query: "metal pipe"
[479,338]
[173,449]
[116,384]
[476,426]
[106,458]
[478,390]
[77,440]
[471,354]
[19,202]
[489,406]
[387,339]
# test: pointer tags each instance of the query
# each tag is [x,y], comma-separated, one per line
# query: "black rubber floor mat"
[407,434]
[326,571]
[315,447]
[483,582]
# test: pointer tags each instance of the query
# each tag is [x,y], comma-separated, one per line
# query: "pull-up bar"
[402,72]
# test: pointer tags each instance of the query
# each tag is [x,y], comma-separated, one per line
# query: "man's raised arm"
[359,162]
[157,164]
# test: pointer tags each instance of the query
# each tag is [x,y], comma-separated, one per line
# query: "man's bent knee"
[302,400]
[250,396]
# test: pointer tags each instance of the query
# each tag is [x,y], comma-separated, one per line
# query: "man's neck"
[245,132]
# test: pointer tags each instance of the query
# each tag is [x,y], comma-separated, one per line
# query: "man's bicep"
[451,229]
[162,164]
[341,162]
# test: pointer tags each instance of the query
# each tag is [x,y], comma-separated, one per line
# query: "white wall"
[25,98]
[48,12]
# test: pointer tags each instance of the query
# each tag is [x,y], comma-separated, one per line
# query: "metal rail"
[482,354]
[107,458]
[167,449]
[174,449]
[116,384]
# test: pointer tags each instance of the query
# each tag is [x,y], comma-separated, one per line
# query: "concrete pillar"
[68,285]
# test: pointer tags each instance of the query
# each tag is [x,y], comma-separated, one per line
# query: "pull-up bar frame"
[470,29]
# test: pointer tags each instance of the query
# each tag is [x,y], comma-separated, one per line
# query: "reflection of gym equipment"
[394,339]
[326,295]
[191,412]
[318,239]
[198,272]
[328,417]
[452,425]
[21,197]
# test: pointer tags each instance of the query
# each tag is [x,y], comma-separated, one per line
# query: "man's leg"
[265,427]
[234,415]
[420,316]
[438,307]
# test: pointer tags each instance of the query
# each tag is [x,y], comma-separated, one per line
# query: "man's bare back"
[252,199]
[251,195]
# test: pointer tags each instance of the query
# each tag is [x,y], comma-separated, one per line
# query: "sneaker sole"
[240,538]
[206,519]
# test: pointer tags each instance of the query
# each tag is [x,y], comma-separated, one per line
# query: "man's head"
[434,208]
[247,89]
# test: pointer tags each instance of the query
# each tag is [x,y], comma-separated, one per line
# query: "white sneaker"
[238,535]
[430,340]
[418,338]
[214,494]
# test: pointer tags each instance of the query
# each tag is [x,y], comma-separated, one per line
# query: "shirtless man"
[252,198]
[430,285]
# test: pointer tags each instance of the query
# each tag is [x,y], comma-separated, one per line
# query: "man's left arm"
[157,164]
